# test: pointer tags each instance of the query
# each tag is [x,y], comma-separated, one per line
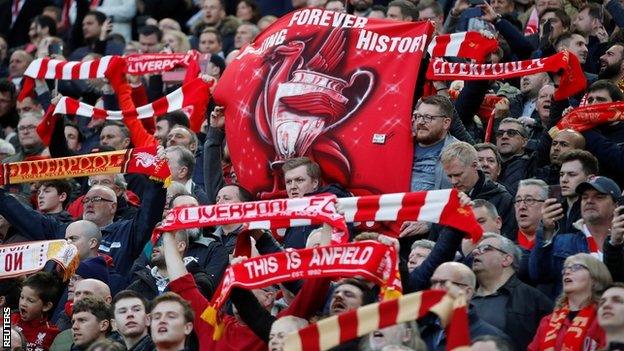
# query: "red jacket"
[38,333]
[237,336]
[595,334]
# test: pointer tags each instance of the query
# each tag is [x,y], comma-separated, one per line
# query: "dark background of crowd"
[549,203]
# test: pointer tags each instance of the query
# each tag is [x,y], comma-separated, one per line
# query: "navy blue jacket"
[546,260]
[122,240]
[444,250]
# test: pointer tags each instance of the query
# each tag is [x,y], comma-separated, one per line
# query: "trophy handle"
[371,81]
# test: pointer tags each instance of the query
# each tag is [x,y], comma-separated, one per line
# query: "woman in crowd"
[573,324]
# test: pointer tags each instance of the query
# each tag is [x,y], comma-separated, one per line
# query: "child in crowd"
[39,293]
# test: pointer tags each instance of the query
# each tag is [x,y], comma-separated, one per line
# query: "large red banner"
[332,86]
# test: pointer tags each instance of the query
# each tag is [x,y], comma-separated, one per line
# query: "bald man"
[282,327]
[86,236]
[82,289]
[565,140]
[460,275]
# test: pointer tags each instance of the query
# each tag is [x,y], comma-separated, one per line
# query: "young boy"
[39,294]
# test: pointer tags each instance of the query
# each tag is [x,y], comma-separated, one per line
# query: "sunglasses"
[511,132]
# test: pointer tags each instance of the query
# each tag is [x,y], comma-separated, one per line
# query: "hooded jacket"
[498,195]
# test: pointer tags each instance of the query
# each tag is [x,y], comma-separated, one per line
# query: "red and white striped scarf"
[591,243]
[187,96]
[436,206]
[139,64]
[471,45]
[336,330]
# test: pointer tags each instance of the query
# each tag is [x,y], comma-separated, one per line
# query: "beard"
[429,138]
[609,71]
[360,5]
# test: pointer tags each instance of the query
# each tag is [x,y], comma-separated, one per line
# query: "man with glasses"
[528,206]
[430,126]
[459,275]
[511,140]
[122,240]
[599,198]
[501,299]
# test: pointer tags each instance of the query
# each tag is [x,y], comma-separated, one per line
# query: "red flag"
[332,86]
[471,45]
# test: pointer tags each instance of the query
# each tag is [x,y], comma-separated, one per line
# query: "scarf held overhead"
[349,325]
[587,117]
[47,68]
[26,258]
[190,95]
[269,214]
[138,160]
[471,45]
[572,78]
[436,206]
[369,259]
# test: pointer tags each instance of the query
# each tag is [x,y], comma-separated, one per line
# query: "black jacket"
[515,169]
[145,284]
[525,308]
[495,193]
[430,330]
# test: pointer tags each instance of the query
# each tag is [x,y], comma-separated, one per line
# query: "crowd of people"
[548,273]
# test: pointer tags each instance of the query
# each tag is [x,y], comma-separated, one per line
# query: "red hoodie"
[38,333]
[237,336]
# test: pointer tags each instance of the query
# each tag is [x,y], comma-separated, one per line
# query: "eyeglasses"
[86,200]
[26,128]
[511,132]
[426,118]
[575,267]
[529,201]
[442,282]
[481,249]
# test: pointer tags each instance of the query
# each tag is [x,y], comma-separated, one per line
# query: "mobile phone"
[476,2]
[554,192]
[55,49]
[620,202]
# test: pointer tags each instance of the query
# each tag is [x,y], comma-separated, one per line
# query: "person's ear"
[63,197]
[47,306]
[188,328]
[93,243]
[125,143]
[104,325]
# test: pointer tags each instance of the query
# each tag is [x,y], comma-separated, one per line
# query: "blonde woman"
[176,41]
[573,324]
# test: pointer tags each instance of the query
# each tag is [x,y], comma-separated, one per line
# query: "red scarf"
[138,160]
[46,68]
[587,117]
[470,45]
[436,206]
[349,325]
[575,335]
[369,259]
[524,241]
[572,79]
[268,214]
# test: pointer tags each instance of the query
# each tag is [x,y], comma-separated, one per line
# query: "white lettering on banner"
[261,266]
[250,210]
[371,41]
[318,17]
[273,40]
[442,68]
[342,255]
